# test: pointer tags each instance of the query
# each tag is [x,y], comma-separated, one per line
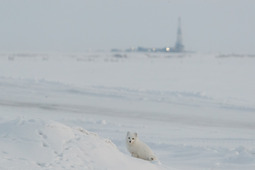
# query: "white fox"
[139,149]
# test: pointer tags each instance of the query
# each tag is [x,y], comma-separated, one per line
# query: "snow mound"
[37,144]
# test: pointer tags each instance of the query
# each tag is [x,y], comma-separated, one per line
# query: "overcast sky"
[226,26]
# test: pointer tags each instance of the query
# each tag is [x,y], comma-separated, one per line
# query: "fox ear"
[128,133]
[135,134]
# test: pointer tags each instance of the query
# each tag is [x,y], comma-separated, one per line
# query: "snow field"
[195,111]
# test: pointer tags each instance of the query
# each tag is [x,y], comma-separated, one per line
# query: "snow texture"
[72,111]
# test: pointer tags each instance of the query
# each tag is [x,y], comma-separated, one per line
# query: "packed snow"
[73,111]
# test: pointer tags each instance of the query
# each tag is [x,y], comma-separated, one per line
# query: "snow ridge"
[37,144]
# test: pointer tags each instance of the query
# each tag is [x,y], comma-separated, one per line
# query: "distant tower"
[179,47]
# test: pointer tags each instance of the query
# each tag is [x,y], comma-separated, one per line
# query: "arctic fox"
[139,149]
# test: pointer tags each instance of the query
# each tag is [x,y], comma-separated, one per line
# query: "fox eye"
[133,138]
[128,137]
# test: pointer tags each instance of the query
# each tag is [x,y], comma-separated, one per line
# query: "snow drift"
[36,144]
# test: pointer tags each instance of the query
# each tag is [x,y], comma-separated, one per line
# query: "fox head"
[131,137]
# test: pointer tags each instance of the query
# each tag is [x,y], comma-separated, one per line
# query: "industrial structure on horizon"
[178,48]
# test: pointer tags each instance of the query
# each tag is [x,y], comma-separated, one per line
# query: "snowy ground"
[59,111]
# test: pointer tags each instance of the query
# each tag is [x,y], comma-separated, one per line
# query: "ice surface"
[58,111]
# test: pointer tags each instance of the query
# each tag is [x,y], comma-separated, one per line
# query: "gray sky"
[78,25]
